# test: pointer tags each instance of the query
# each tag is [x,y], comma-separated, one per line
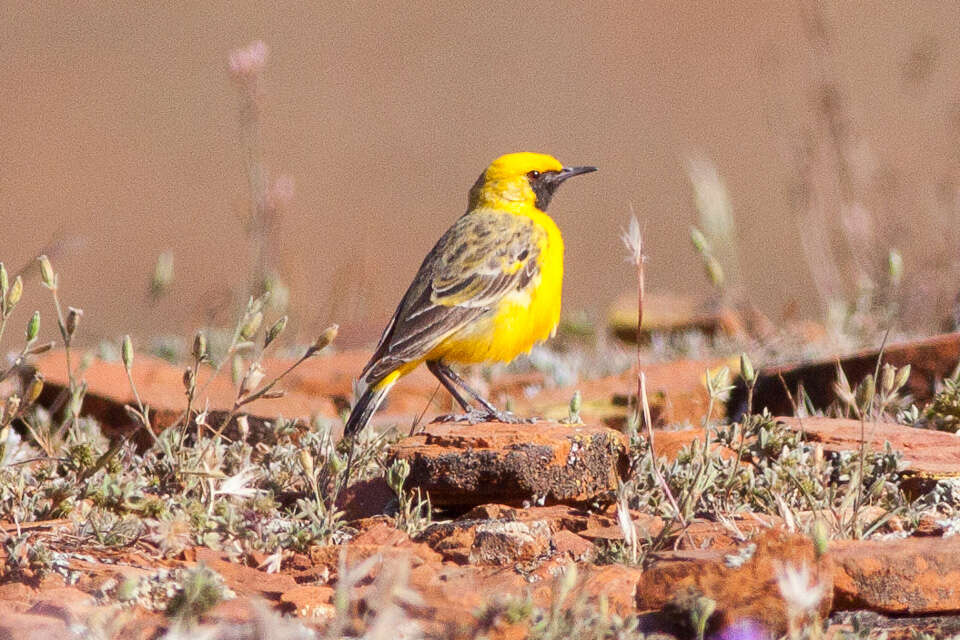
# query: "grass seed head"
[14,294]
[236,369]
[47,275]
[34,389]
[895,267]
[126,352]
[199,351]
[274,331]
[746,369]
[252,325]
[73,320]
[162,274]
[189,380]
[324,339]
[33,327]
[306,462]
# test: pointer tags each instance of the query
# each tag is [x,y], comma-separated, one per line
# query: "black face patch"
[544,185]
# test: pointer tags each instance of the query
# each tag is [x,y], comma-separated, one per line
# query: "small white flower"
[626,523]
[273,562]
[796,589]
[236,485]
[252,379]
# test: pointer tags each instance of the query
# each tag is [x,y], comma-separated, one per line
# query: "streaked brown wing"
[481,258]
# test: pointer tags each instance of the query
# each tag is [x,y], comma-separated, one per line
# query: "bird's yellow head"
[521,179]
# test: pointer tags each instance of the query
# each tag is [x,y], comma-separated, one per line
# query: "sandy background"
[120,140]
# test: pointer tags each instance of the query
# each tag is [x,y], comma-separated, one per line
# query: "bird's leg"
[438,372]
[449,378]
[453,378]
[471,415]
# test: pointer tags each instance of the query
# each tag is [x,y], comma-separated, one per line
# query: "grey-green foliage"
[943,412]
[773,469]
[256,497]
[201,590]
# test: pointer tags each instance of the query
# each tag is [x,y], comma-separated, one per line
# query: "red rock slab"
[558,516]
[18,592]
[675,393]
[500,543]
[456,540]
[617,582]
[67,603]
[703,534]
[748,591]
[925,451]
[573,547]
[321,385]
[310,601]
[930,359]
[12,606]
[383,534]
[910,576]
[452,594]
[93,575]
[380,539]
[385,538]
[140,625]
[160,386]
[232,611]
[243,580]
[605,526]
[49,525]
[452,540]
[464,465]
[678,388]
[31,626]
[669,444]
[698,533]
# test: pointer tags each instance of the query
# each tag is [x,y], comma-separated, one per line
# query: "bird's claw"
[509,417]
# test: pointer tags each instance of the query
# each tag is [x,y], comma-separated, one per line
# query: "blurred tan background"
[121,140]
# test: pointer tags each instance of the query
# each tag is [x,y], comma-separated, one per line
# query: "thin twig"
[863,426]
[653,457]
[241,401]
[144,411]
[426,407]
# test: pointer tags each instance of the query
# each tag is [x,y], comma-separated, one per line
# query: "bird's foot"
[507,417]
[472,416]
[476,416]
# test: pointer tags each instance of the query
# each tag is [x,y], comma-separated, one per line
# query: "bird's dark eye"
[533,175]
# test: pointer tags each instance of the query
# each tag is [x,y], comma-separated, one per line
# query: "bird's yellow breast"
[523,317]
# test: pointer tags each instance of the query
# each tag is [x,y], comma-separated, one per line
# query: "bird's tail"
[365,407]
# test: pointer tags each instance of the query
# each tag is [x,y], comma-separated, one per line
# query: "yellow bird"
[488,290]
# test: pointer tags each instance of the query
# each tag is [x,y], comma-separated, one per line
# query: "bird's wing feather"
[484,256]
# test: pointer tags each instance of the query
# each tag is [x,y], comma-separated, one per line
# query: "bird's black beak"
[546,183]
[569,172]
